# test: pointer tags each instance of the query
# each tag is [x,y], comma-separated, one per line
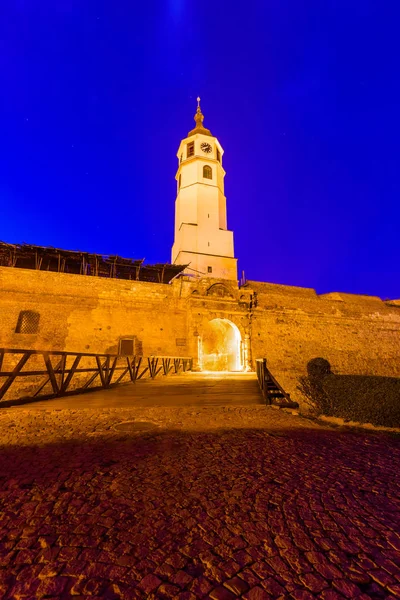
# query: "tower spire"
[199,118]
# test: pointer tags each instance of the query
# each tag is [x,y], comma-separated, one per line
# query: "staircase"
[273,393]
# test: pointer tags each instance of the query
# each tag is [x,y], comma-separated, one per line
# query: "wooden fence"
[43,374]
[271,390]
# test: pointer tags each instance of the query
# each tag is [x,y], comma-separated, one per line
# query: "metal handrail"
[108,369]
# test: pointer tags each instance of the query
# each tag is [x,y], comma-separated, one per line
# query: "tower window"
[209,269]
[28,322]
[180,181]
[181,157]
[190,149]
[207,172]
[218,155]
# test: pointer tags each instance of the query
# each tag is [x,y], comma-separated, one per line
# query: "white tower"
[202,239]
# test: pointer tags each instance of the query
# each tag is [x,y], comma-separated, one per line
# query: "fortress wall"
[289,326]
[90,314]
[357,334]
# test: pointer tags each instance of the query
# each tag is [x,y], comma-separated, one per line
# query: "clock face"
[206,147]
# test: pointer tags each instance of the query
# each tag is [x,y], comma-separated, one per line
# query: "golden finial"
[199,118]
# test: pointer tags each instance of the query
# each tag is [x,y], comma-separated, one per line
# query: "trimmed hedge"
[362,398]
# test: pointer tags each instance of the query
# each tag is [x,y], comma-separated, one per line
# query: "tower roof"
[199,118]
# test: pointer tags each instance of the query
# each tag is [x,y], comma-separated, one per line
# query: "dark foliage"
[362,398]
[318,367]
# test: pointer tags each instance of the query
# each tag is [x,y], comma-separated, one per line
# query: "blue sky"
[303,96]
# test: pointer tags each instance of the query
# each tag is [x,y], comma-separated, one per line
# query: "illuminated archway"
[220,347]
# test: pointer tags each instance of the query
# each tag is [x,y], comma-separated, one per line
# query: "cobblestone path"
[213,502]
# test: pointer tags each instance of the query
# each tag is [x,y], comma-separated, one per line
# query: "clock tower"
[202,240]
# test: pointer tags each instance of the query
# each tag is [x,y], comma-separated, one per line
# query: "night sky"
[304,96]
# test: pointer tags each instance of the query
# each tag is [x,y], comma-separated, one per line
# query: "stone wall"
[286,325]
[357,334]
[90,314]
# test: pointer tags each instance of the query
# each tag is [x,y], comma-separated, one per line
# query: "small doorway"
[220,347]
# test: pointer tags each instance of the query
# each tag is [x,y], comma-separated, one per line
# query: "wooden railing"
[48,374]
[272,391]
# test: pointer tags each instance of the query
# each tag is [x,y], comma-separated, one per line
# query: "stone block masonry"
[89,314]
[357,334]
[287,325]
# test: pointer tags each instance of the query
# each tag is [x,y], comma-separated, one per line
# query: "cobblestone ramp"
[216,502]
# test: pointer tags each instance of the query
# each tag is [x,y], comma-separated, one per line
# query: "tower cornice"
[184,187]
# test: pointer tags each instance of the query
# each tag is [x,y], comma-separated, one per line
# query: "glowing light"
[220,347]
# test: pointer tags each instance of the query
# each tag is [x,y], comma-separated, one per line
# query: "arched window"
[207,172]
[28,322]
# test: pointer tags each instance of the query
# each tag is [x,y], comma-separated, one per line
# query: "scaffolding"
[27,256]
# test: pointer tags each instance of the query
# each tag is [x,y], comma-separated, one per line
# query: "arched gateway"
[220,347]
